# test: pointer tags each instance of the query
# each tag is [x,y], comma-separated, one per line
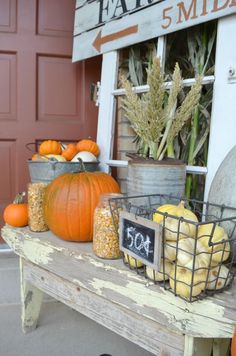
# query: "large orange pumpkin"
[70,200]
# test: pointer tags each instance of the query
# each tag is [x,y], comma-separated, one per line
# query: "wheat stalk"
[155,120]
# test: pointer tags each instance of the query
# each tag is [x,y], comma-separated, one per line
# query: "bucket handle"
[30,149]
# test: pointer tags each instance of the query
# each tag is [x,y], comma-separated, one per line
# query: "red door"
[42,94]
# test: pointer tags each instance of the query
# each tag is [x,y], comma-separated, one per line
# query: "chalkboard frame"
[145,223]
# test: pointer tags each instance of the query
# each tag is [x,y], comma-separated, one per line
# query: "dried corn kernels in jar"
[36,192]
[105,236]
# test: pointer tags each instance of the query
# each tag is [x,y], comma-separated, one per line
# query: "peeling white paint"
[79,283]
[185,316]
[38,253]
[127,273]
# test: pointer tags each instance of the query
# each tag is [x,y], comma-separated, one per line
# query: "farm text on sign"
[110,9]
[105,25]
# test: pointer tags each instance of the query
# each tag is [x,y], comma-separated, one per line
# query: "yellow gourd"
[221,251]
[182,281]
[172,225]
[58,158]
[133,262]
[159,276]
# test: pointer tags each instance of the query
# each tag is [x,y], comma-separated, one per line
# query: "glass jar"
[36,192]
[105,236]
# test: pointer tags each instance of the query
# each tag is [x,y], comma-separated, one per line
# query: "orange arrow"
[99,40]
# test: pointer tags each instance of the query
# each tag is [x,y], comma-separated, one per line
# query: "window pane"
[193,49]
[134,61]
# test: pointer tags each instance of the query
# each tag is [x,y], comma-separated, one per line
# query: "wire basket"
[197,249]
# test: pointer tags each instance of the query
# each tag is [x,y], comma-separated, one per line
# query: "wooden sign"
[141,239]
[105,25]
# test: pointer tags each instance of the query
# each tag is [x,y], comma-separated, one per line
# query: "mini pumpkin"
[16,214]
[69,151]
[88,145]
[70,201]
[50,147]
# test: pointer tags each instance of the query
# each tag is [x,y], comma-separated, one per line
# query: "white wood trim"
[153,21]
[189,169]
[161,50]
[186,83]
[223,117]
[106,116]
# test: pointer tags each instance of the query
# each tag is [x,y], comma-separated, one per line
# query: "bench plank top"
[212,317]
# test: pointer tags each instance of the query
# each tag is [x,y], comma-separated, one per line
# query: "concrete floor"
[61,330]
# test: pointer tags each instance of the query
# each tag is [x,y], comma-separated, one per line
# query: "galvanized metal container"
[47,171]
[156,177]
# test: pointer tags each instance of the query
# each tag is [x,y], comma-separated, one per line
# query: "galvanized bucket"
[47,171]
[156,177]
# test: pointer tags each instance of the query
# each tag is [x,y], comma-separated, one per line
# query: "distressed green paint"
[38,253]
[185,316]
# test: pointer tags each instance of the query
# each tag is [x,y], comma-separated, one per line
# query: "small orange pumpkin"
[70,201]
[50,147]
[88,145]
[16,214]
[70,151]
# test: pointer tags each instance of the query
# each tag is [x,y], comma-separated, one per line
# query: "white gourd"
[85,156]
[218,277]
[187,249]
[174,229]
[182,281]
[221,251]
[170,250]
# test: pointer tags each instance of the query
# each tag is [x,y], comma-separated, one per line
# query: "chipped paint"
[186,317]
[128,273]
[37,253]
[204,318]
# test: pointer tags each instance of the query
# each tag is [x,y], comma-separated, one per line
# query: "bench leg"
[221,347]
[31,301]
[197,346]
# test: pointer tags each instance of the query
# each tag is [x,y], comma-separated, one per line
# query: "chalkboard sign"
[141,239]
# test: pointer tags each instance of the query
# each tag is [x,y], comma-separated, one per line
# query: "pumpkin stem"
[19,199]
[82,164]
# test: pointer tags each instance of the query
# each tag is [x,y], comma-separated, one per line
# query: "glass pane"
[134,61]
[194,50]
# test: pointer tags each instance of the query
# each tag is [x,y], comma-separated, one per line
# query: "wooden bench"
[117,298]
